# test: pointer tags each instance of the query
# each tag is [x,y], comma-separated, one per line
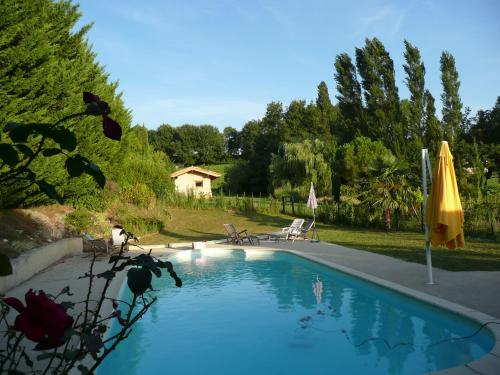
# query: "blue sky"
[220,62]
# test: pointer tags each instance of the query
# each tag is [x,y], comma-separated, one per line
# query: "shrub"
[140,195]
[142,220]
[94,202]
[79,220]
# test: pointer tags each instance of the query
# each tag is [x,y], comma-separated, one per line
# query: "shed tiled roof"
[211,174]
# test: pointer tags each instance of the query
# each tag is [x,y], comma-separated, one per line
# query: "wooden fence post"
[283,203]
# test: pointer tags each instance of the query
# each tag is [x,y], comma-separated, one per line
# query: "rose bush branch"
[64,337]
[23,148]
[66,343]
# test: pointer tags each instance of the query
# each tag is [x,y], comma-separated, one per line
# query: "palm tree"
[388,191]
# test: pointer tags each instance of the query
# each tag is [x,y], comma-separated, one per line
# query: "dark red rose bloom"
[111,128]
[88,97]
[42,320]
[97,107]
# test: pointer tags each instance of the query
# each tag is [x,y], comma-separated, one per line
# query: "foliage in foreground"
[69,334]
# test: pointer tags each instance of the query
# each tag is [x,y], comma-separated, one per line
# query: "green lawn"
[187,225]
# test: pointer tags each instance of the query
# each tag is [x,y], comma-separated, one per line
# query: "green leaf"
[46,355]
[139,280]
[51,151]
[70,354]
[102,328]
[15,372]
[30,175]
[75,166]
[66,290]
[84,370]
[8,154]
[94,171]
[108,275]
[19,133]
[66,138]
[93,343]
[156,271]
[114,258]
[50,191]
[5,266]
[93,109]
[67,304]
[25,150]
[10,126]
[27,360]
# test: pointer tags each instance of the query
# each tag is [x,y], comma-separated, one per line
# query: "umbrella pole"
[430,281]
[315,231]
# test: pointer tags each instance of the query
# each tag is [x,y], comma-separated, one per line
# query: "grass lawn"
[187,225]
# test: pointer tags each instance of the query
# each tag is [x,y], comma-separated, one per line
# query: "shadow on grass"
[195,236]
[451,260]
[265,219]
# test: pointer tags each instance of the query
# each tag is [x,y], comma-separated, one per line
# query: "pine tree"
[349,98]
[46,66]
[376,69]
[452,105]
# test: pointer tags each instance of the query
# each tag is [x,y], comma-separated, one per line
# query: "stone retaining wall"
[32,262]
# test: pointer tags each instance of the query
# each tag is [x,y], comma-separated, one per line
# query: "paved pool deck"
[475,294]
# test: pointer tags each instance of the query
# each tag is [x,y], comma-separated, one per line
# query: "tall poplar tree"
[349,98]
[325,107]
[376,69]
[415,81]
[433,128]
[323,100]
[452,105]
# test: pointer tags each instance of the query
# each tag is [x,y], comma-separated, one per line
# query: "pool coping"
[489,364]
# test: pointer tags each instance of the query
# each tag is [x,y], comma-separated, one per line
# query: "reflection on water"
[259,312]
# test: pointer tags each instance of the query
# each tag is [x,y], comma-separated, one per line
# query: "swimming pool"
[257,312]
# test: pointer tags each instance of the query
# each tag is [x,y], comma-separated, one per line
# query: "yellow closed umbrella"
[444,214]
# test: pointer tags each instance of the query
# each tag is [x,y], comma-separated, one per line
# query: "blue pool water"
[256,313]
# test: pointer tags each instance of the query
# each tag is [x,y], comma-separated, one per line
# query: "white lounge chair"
[303,231]
[286,232]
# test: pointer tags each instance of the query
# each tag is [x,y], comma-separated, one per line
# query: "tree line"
[342,147]
[291,146]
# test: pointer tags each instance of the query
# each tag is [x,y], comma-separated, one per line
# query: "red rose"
[96,107]
[42,320]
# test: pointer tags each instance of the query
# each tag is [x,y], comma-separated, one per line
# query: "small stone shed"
[194,180]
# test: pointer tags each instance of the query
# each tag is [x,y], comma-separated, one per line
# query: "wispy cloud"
[386,21]
[220,112]
[145,16]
